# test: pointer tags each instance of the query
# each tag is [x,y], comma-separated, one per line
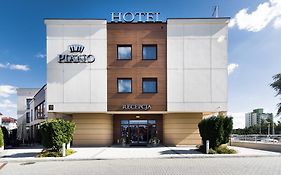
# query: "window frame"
[150,45]
[124,45]
[124,79]
[150,78]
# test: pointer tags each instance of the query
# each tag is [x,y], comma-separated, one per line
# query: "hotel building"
[136,79]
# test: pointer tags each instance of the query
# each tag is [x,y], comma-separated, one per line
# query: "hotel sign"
[135,16]
[136,107]
[76,55]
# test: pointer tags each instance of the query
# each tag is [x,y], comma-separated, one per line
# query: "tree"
[276,85]
[216,129]
[56,132]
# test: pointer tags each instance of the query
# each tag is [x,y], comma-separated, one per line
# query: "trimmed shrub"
[56,132]
[216,129]
[1,138]
[227,128]
[5,135]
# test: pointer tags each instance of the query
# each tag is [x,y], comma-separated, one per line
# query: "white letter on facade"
[114,17]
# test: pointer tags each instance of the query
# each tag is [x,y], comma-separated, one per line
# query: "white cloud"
[231,67]
[238,119]
[7,90]
[2,65]
[21,67]
[265,13]
[40,55]
[277,23]
[7,104]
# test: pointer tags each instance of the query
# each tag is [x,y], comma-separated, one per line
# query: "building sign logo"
[135,17]
[75,55]
[136,107]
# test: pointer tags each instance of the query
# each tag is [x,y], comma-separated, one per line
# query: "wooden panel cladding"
[182,129]
[93,130]
[117,123]
[137,35]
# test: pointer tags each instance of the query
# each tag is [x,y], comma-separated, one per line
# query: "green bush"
[1,138]
[54,153]
[222,149]
[56,132]
[5,135]
[227,129]
[216,129]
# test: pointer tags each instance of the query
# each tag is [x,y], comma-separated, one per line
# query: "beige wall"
[93,130]
[182,129]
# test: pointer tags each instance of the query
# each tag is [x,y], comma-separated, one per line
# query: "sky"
[253,49]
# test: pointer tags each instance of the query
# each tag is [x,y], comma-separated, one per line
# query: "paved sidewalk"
[116,152]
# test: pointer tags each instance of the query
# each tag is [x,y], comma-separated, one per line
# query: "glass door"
[138,132]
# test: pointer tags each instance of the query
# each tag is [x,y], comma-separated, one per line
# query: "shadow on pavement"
[174,151]
[20,155]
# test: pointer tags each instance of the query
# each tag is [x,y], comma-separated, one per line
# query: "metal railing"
[270,139]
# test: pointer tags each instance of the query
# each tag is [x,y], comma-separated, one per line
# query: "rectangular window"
[149,52]
[124,85]
[28,103]
[124,52]
[149,85]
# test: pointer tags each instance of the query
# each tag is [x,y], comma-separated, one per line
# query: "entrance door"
[138,131]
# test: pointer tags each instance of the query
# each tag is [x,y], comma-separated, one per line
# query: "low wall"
[260,146]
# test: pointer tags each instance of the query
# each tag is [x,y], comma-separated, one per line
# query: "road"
[193,166]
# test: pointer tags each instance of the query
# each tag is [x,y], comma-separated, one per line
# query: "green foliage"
[258,129]
[56,132]
[216,129]
[1,138]
[54,153]
[227,128]
[222,149]
[276,85]
[5,135]
[211,151]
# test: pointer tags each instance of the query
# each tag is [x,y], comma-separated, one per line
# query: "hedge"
[1,138]
[5,135]
[216,129]
[56,132]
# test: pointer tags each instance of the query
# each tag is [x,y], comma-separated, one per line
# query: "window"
[27,117]
[149,85]
[149,52]
[28,103]
[40,111]
[124,52]
[124,85]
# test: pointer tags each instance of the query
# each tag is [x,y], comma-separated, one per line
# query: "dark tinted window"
[149,52]
[149,85]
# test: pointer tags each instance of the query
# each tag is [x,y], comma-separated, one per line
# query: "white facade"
[77,87]
[22,95]
[197,65]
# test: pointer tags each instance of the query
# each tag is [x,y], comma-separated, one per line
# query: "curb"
[15,160]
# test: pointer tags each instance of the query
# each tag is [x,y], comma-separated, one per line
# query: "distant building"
[255,117]
[38,114]
[24,97]
[9,122]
